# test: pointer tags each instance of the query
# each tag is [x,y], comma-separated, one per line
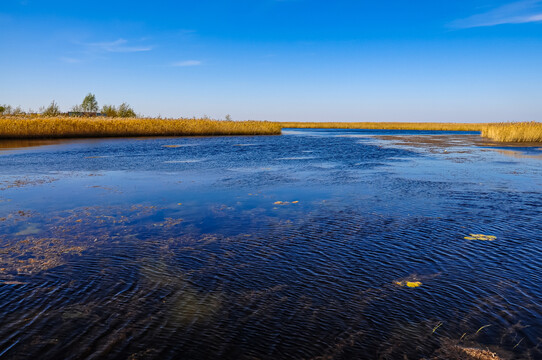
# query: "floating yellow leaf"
[481,237]
[410,284]
[179,203]
[285,202]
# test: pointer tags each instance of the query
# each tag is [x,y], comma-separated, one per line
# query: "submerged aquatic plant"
[483,327]
[437,326]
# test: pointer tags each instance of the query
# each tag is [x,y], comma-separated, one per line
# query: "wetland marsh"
[317,244]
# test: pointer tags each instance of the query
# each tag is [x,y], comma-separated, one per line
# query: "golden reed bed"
[514,132]
[16,127]
[65,127]
[385,126]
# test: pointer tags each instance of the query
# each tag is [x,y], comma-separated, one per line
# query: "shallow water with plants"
[317,244]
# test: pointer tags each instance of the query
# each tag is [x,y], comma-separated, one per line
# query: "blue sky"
[298,60]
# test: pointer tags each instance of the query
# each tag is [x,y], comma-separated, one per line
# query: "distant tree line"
[123,110]
[9,110]
[89,106]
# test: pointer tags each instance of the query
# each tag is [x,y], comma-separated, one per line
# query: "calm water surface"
[273,247]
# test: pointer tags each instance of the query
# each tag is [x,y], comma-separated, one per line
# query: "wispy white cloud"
[519,12]
[117,46]
[186,63]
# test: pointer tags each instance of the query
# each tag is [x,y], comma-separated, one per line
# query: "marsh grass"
[37,127]
[385,126]
[514,132]
[66,127]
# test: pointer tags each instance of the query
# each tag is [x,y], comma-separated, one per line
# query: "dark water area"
[317,244]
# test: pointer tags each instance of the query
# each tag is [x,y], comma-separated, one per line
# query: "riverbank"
[513,132]
[64,127]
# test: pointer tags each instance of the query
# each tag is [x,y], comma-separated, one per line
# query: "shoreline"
[19,128]
[505,133]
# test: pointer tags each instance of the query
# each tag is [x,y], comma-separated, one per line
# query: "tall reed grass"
[65,127]
[385,126]
[36,127]
[514,132]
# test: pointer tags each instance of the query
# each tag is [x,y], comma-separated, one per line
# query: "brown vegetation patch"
[65,234]
[4,185]
[451,350]
[32,255]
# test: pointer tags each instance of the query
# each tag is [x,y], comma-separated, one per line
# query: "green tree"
[110,111]
[89,103]
[228,117]
[51,110]
[125,111]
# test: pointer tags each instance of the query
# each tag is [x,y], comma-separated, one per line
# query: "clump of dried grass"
[514,132]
